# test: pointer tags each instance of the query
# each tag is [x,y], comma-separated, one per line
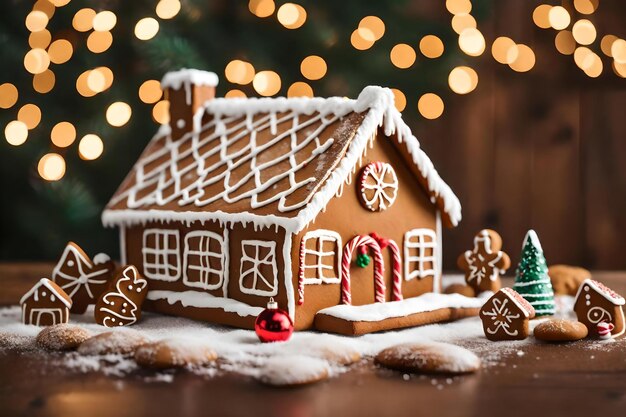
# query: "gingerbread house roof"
[527,309]
[270,161]
[52,287]
[603,290]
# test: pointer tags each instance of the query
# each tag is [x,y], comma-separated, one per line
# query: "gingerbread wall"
[233,247]
[345,215]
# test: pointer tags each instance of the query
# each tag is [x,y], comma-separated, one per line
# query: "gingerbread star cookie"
[80,277]
[484,264]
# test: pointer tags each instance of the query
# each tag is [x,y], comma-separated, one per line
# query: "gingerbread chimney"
[187,90]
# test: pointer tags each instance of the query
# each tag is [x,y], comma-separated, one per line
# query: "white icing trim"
[74,284]
[510,294]
[161,255]
[39,312]
[501,316]
[322,235]
[421,245]
[270,260]
[199,299]
[439,251]
[226,246]
[532,236]
[204,270]
[377,101]
[288,278]
[46,283]
[421,304]
[592,283]
[176,79]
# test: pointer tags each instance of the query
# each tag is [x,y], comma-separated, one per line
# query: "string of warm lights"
[45,52]
[576,36]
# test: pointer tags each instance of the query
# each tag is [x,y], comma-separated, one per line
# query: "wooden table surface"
[570,379]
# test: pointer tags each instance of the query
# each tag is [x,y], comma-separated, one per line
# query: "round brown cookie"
[18,342]
[566,279]
[122,341]
[431,358]
[62,337]
[559,330]
[173,353]
[462,289]
[293,370]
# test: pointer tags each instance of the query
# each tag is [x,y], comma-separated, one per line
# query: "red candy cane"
[605,329]
[397,264]
[301,274]
[379,268]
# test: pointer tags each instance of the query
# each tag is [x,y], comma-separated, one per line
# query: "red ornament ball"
[273,324]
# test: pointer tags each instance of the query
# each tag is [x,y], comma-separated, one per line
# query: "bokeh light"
[44,83]
[262,8]
[63,134]
[541,16]
[51,167]
[90,147]
[460,22]
[362,39]
[463,80]
[168,9]
[150,91]
[459,6]
[83,20]
[504,50]
[559,17]
[161,112]
[313,67]
[403,56]
[46,7]
[235,93]
[374,24]
[118,114]
[472,42]
[30,115]
[399,99]
[60,51]
[36,21]
[40,39]
[586,6]
[525,59]
[565,42]
[430,106]
[8,95]
[104,21]
[291,15]
[300,89]
[36,61]
[431,46]
[618,51]
[146,28]
[606,43]
[266,83]
[239,72]
[98,42]
[584,32]
[16,132]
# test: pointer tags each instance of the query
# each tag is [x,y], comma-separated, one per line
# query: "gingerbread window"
[420,259]
[204,260]
[258,273]
[320,257]
[161,254]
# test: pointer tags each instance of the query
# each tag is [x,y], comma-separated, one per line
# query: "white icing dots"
[70,263]
[130,288]
[180,123]
[43,293]
[52,297]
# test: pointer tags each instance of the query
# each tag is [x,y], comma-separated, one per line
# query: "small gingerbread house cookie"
[45,304]
[596,303]
[505,316]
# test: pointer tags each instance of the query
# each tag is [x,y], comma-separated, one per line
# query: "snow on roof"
[269,161]
[603,290]
[176,79]
[53,288]
[521,302]
[534,239]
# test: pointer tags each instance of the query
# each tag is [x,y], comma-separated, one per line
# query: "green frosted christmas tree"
[531,277]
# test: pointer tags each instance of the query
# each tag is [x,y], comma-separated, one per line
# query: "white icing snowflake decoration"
[378,185]
[502,318]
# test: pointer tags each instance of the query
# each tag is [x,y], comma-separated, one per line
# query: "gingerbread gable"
[52,287]
[524,306]
[271,161]
[602,290]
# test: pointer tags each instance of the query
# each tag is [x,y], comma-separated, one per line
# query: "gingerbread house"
[596,303]
[45,304]
[505,316]
[240,199]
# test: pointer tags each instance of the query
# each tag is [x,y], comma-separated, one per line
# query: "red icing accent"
[520,300]
[607,290]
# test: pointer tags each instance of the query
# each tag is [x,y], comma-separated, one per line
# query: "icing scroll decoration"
[258,273]
[598,314]
[502,317]
[161,254]
[420,259]
[120,306]
[378,185]
[203,268]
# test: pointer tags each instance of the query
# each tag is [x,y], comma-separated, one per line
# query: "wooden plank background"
[544,149]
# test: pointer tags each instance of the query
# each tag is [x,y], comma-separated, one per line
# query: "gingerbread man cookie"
[120,304]
[484,264]
[83,279]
